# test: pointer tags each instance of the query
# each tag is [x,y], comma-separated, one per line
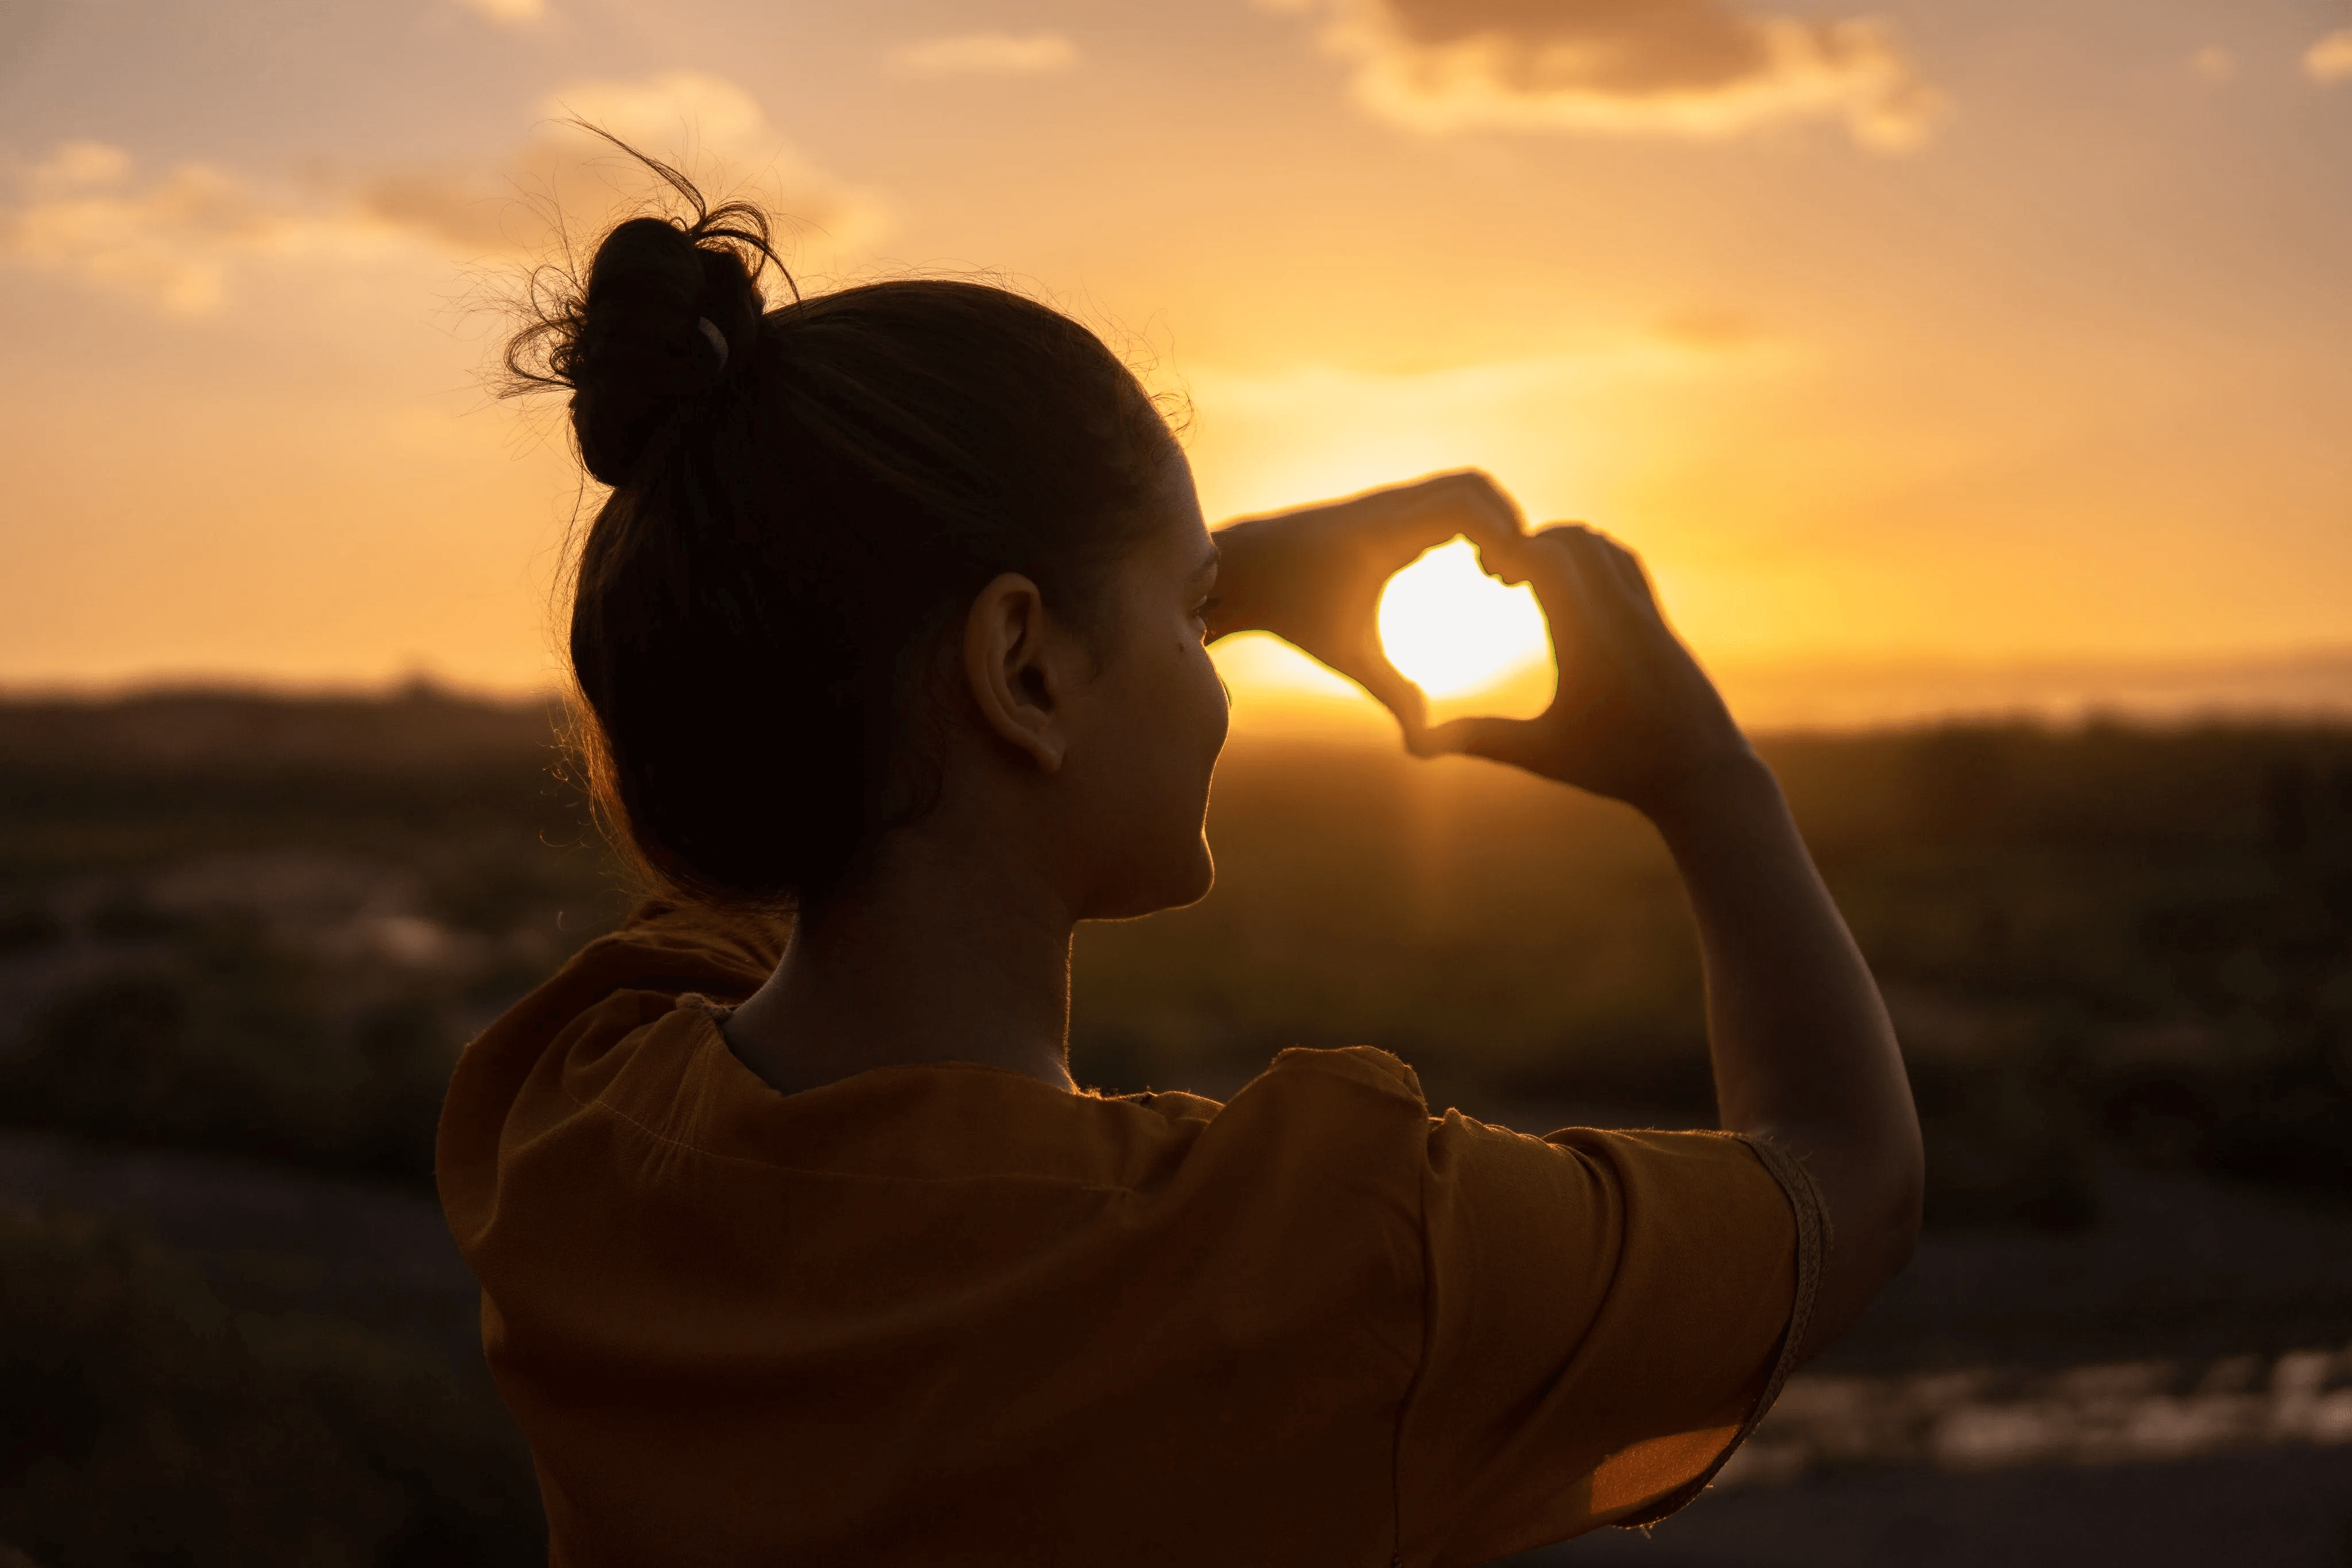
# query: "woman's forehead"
[1180,541]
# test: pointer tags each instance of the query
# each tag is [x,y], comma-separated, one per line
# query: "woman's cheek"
[1207,696]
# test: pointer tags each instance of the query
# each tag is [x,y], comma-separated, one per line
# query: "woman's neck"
[927,955]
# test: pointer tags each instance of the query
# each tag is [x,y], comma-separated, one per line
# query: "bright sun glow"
[1454,629]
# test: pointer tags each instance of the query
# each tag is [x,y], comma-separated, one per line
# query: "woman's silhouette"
[797,1242]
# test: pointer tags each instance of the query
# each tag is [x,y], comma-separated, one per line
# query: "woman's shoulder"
[661,952]
[679,948]
[612,989]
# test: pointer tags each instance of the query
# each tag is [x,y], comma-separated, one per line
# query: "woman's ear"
[1010,660]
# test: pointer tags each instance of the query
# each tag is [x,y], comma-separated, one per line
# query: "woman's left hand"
[1313,577]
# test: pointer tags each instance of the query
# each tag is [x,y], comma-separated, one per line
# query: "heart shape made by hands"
[1466,640]
[1317,578]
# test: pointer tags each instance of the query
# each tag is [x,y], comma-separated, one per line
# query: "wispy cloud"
[174,238]
[1709,329]
[707,124]
[511,13]
[2214,64]
[2330,59]
[181,238]
[1696,68]
[986,54]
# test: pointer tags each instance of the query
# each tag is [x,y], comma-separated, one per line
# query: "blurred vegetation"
[222,1038]
[264,926]
[97,786]
[148,1423]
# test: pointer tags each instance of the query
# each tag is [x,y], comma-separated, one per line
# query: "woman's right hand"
[1633,716]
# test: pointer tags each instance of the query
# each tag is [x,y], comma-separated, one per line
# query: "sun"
[1453,630]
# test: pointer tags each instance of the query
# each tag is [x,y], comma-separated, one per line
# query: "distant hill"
[413,731]
[1846,693]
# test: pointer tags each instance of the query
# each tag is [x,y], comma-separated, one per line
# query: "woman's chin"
[1202,877]
[1184,880]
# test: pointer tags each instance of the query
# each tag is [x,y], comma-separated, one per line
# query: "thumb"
[1511,740]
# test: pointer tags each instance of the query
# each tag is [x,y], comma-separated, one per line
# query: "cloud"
[1708,329]
[1695,68]
[175,239]
[2330,59]
[2214,62]
[986,54]
[716,131]
[182,238]
[512,13]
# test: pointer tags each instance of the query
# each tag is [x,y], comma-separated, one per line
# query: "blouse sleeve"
[1606,1315]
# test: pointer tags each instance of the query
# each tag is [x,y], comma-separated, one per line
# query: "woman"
[798,1244]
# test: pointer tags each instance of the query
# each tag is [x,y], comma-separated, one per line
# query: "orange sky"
[1960,338]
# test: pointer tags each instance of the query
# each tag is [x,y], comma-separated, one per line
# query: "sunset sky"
[1945,335]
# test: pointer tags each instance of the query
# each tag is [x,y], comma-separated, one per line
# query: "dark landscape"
[242,938]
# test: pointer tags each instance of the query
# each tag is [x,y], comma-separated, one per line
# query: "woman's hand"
[1633,717]
[1314,577]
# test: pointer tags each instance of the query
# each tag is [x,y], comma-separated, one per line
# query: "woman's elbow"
[1874,1203]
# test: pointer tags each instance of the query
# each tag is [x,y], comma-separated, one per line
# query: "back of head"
[802,499]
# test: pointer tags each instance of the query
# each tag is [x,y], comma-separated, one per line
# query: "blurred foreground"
[242,938]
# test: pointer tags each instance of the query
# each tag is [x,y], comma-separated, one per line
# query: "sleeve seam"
[1814,1239]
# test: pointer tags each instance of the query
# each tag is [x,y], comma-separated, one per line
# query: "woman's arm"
[1802,1050]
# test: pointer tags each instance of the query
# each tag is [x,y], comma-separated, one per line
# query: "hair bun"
[642,353]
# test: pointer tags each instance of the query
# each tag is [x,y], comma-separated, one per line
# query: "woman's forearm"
[1803,1049]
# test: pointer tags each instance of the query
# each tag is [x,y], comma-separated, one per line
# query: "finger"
[1488,514]
[1613,591]
[1626,569]
[1504,557]
[1558,564]
[1406,702]
[1430,511]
